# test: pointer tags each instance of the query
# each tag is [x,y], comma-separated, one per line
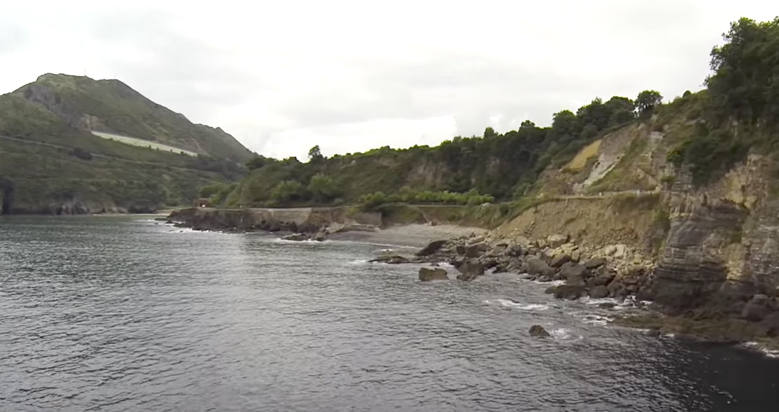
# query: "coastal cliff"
[675,202]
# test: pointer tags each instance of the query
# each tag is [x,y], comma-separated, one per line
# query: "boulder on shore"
[599,292]
[475,250]
[470,270]
[430,274]
[560,259]
[554,241]
[538,331]
[594,263]
[538,267]
[573,274]
[431,248]
[571,292]
[757,308]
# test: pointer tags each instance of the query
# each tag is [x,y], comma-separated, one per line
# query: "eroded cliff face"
[714,246]
[722,246]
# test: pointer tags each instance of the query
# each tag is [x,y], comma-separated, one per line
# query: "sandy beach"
[414,235]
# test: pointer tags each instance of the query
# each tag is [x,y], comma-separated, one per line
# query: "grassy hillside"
[49,166]
[112,106]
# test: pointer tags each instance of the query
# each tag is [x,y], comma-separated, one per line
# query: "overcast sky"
[282,76]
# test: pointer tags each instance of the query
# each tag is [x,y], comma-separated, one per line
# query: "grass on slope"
[44,175]
[112,106]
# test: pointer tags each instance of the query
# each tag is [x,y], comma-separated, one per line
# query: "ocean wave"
[307,241]
[551,283]
[771,353]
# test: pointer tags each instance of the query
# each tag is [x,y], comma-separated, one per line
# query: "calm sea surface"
[125,313]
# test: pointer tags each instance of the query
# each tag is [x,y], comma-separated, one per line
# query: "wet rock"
[430,274]
[606,305]
[391,259]
[558,260]
[476,250]
[594,263]
[538,267]
[470,270]
[757,308]
[514,251]
[771,324]
[432,248]
[489,263]
[571,292]
[573,274]
[599,292]
[600,279]
[538,331]
[297,237]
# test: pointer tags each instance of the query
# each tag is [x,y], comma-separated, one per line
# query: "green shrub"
[323,189]
[288,191]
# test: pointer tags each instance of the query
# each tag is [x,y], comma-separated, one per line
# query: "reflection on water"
[123,313]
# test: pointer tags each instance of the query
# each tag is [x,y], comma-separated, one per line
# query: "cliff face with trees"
[681,198]
[684,202]
[465,169]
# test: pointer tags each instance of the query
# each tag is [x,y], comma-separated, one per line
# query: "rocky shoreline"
[574,270]
[613,271]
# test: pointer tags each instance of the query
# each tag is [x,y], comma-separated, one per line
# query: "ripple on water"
[119,314]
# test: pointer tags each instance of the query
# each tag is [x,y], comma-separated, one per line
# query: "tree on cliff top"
[315,154]
[745,82]
[647,101]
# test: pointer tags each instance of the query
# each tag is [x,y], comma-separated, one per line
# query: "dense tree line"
[740,107]
[492,166]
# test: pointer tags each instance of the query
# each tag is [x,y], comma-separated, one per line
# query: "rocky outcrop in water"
[430,274]
[538,331]
[308,223]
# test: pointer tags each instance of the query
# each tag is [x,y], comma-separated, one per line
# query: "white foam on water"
[765,351]
[590,301]
[551,283]
[292,242]
[564,334]
[593,319]
[358,262]
[508,303]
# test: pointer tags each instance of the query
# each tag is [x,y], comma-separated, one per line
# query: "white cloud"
[351,75]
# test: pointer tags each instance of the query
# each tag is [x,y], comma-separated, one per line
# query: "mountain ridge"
[51,162]
[110,105]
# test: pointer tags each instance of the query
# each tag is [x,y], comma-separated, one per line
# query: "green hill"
[113,107]
[51,162]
